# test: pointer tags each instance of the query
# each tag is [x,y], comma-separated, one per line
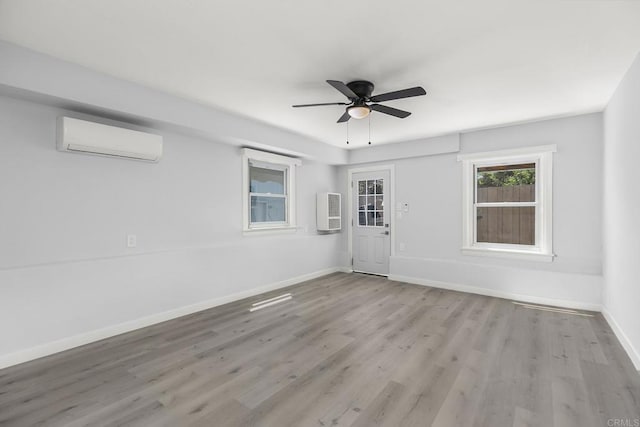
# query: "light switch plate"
[132,240]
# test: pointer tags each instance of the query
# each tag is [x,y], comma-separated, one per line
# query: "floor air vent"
[552,309]
[269,302]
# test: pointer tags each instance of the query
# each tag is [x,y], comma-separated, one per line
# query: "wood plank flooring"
[347,350]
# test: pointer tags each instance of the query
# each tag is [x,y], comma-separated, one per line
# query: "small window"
[507,202]
[268,193]
[269,183]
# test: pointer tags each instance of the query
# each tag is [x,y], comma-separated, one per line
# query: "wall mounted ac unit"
[81,136]
[329,206]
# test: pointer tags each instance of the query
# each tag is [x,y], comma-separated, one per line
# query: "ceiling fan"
[361,102]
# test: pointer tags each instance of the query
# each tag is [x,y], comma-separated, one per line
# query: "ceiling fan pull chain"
[347,133]
[369,129]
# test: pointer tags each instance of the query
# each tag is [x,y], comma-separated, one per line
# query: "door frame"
[392,208]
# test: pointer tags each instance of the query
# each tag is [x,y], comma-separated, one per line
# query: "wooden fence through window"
[514,225]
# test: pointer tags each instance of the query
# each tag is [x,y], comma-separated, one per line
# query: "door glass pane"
[362,218]
[371,187]
[513,225]
[264,180]
[362,187]
[362,203]
[507,183]
[268,209]
[379,219]
[371,204]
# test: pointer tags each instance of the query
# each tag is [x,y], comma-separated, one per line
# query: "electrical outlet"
[132,240]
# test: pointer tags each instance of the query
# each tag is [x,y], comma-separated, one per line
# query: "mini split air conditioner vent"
[81,136]
[328,217]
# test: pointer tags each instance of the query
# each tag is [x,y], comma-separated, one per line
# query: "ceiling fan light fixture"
[358,111]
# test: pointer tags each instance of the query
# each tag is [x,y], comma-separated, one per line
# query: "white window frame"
[542,156]
[276,162]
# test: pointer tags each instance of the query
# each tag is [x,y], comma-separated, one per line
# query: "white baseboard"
[498,294]
[634,355]
[110,331]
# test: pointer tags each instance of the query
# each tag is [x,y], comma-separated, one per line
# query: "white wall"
[65,270]
[622,212]
[431,230]
[417,148]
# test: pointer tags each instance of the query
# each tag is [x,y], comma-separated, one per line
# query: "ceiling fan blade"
[399,94]
[344,118]
[389,110]
[343,88]
[317,105]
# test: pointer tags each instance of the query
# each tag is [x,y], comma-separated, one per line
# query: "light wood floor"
[348,350]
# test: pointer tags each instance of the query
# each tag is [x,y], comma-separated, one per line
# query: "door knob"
[385,233]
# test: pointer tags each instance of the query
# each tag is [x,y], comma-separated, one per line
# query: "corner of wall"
[628,346]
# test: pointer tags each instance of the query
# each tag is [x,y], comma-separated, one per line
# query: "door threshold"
[371,274]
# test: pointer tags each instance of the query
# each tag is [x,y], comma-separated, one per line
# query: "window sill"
[269,230]
[513,254]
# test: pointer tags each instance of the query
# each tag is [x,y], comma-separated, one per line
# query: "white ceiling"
[483,63]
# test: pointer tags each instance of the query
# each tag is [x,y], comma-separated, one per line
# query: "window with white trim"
[268,190]
[507,203]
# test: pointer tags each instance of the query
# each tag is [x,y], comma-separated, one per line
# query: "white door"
[371,241]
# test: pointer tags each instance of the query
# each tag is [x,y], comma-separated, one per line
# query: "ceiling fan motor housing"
[362,88]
